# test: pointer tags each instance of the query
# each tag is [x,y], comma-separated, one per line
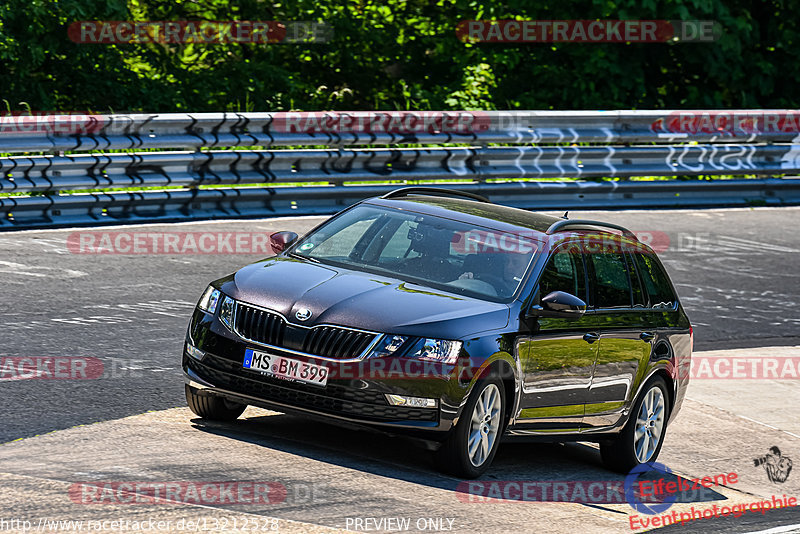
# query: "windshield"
[450,255]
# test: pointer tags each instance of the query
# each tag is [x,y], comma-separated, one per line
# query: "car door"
[617,303]
[557,361]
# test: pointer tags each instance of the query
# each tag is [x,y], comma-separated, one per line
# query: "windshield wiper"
[299,257]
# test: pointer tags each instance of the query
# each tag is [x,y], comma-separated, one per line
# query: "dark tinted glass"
[564,272]
[612,286]
[655,281]
[639,296]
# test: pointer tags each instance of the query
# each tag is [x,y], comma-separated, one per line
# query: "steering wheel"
[474,284]
[497,282]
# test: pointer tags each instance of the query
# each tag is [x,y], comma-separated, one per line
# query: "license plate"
[285,368]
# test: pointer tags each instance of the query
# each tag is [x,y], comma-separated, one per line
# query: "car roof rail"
[433,191]
[561,225]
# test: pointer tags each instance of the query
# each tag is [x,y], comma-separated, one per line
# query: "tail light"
[691,337]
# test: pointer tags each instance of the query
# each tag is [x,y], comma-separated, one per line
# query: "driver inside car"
[504,271]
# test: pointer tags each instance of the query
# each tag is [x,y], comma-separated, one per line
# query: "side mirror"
[559,304]
[280,241]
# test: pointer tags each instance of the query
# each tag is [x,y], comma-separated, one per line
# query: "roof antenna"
[565,215]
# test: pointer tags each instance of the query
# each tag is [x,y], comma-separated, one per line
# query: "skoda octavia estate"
[439,314]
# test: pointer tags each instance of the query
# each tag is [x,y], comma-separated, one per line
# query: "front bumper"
[355,399]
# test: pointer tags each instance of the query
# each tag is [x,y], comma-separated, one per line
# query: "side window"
[612,288]
[639,296]
[655,281]
[564,272]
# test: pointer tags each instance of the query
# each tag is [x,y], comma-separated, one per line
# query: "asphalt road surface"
[736,272]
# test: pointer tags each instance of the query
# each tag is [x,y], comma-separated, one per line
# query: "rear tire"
[641,439]
[212,407]
[472,444]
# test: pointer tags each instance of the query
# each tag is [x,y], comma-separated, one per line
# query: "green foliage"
[479,81]
[397,54]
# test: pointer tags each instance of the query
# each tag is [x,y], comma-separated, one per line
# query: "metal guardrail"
[65,156]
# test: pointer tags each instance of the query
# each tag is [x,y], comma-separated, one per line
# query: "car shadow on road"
[575,466]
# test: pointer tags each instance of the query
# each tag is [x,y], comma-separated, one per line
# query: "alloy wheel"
[649,425]
[485,425]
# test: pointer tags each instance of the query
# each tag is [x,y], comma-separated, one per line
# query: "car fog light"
[411,402]
[194,352]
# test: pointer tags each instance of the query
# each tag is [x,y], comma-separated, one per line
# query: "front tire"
[641,439]
[212,407]
[472,444]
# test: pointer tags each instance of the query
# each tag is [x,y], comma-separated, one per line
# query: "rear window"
[655,281]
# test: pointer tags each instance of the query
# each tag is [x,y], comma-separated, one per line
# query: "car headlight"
[194,352]
[387,346]
[435,350]
[208,302]
[226,312]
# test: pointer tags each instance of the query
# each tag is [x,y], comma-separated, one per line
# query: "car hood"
[361,300]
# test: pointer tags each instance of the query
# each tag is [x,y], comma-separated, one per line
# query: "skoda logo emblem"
[303,314]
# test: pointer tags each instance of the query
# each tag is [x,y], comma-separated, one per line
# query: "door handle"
[590,337]
[647,336]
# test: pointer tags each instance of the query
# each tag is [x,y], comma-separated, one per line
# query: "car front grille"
[337,343]
[259,325]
